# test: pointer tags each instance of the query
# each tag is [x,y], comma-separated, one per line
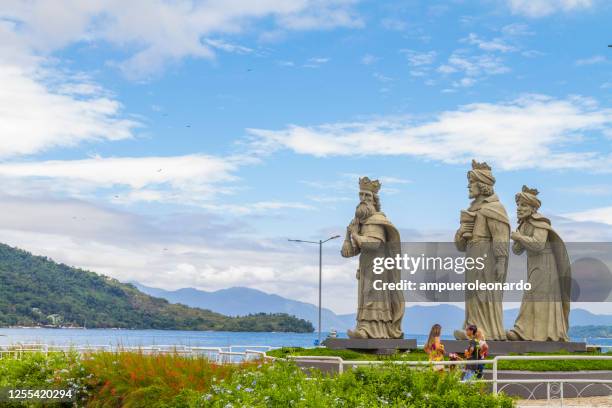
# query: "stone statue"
[369,235]
[544,313]
[484,232]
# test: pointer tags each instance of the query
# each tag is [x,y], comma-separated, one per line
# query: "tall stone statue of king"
[544,313]
[484,232]
[370,234]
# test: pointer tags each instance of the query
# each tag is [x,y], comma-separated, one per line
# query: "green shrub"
[284,385]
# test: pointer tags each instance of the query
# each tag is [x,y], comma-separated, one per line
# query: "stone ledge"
[377,346]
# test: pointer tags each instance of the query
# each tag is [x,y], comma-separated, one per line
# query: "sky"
[181,143]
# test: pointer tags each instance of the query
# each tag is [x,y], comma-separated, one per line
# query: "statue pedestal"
[498,348]
[373,346]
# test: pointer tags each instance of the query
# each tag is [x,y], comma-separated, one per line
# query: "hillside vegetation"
[35,291]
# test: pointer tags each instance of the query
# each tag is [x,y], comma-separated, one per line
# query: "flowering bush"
[45,371]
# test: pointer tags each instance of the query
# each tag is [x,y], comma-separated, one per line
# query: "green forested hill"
[36,291]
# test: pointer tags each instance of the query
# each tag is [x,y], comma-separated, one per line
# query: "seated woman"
[433,347]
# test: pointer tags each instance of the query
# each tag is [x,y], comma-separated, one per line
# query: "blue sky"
[181,143]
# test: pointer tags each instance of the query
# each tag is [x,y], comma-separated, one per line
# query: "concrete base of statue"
[373,346]
[498,348]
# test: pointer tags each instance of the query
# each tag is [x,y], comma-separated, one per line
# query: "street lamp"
[320,242]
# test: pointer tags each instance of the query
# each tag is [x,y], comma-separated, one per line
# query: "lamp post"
[320,243]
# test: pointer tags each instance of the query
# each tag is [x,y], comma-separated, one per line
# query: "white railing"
[497,359]
[554,387]
[267,348]
[217,354]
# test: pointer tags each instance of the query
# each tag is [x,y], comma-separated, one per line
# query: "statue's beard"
[364,210]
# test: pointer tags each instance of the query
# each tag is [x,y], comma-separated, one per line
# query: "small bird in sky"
[188,126]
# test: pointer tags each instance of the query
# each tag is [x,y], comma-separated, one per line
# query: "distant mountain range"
[237,301]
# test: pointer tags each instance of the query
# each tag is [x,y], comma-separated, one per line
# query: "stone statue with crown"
[484,232]
[370,234]
[544,313]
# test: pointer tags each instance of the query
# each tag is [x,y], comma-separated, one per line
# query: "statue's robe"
[544,312]
[490,240]
[379,312]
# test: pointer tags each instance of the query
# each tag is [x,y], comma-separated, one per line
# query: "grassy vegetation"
[419,355]
[559,365]
[36,291]
[136,380]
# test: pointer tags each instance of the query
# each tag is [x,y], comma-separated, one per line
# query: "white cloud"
[154,33]
[589,190]
[382,78]
[369,59]
[314,14]
[228,47]
[596,59]
[464,82]
[315,62]
[532,53]
[37,113]
[286,63]
[419,59]
[534,131]
[190,179]
[329,199]
[343,186]
[473,68]
[599,215]
[256,207]
[496,44]
[195,180]
[516,29]
[542,8]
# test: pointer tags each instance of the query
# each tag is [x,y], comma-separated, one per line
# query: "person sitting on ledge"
[433,347]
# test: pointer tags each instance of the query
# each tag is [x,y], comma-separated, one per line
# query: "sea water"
[120,337]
